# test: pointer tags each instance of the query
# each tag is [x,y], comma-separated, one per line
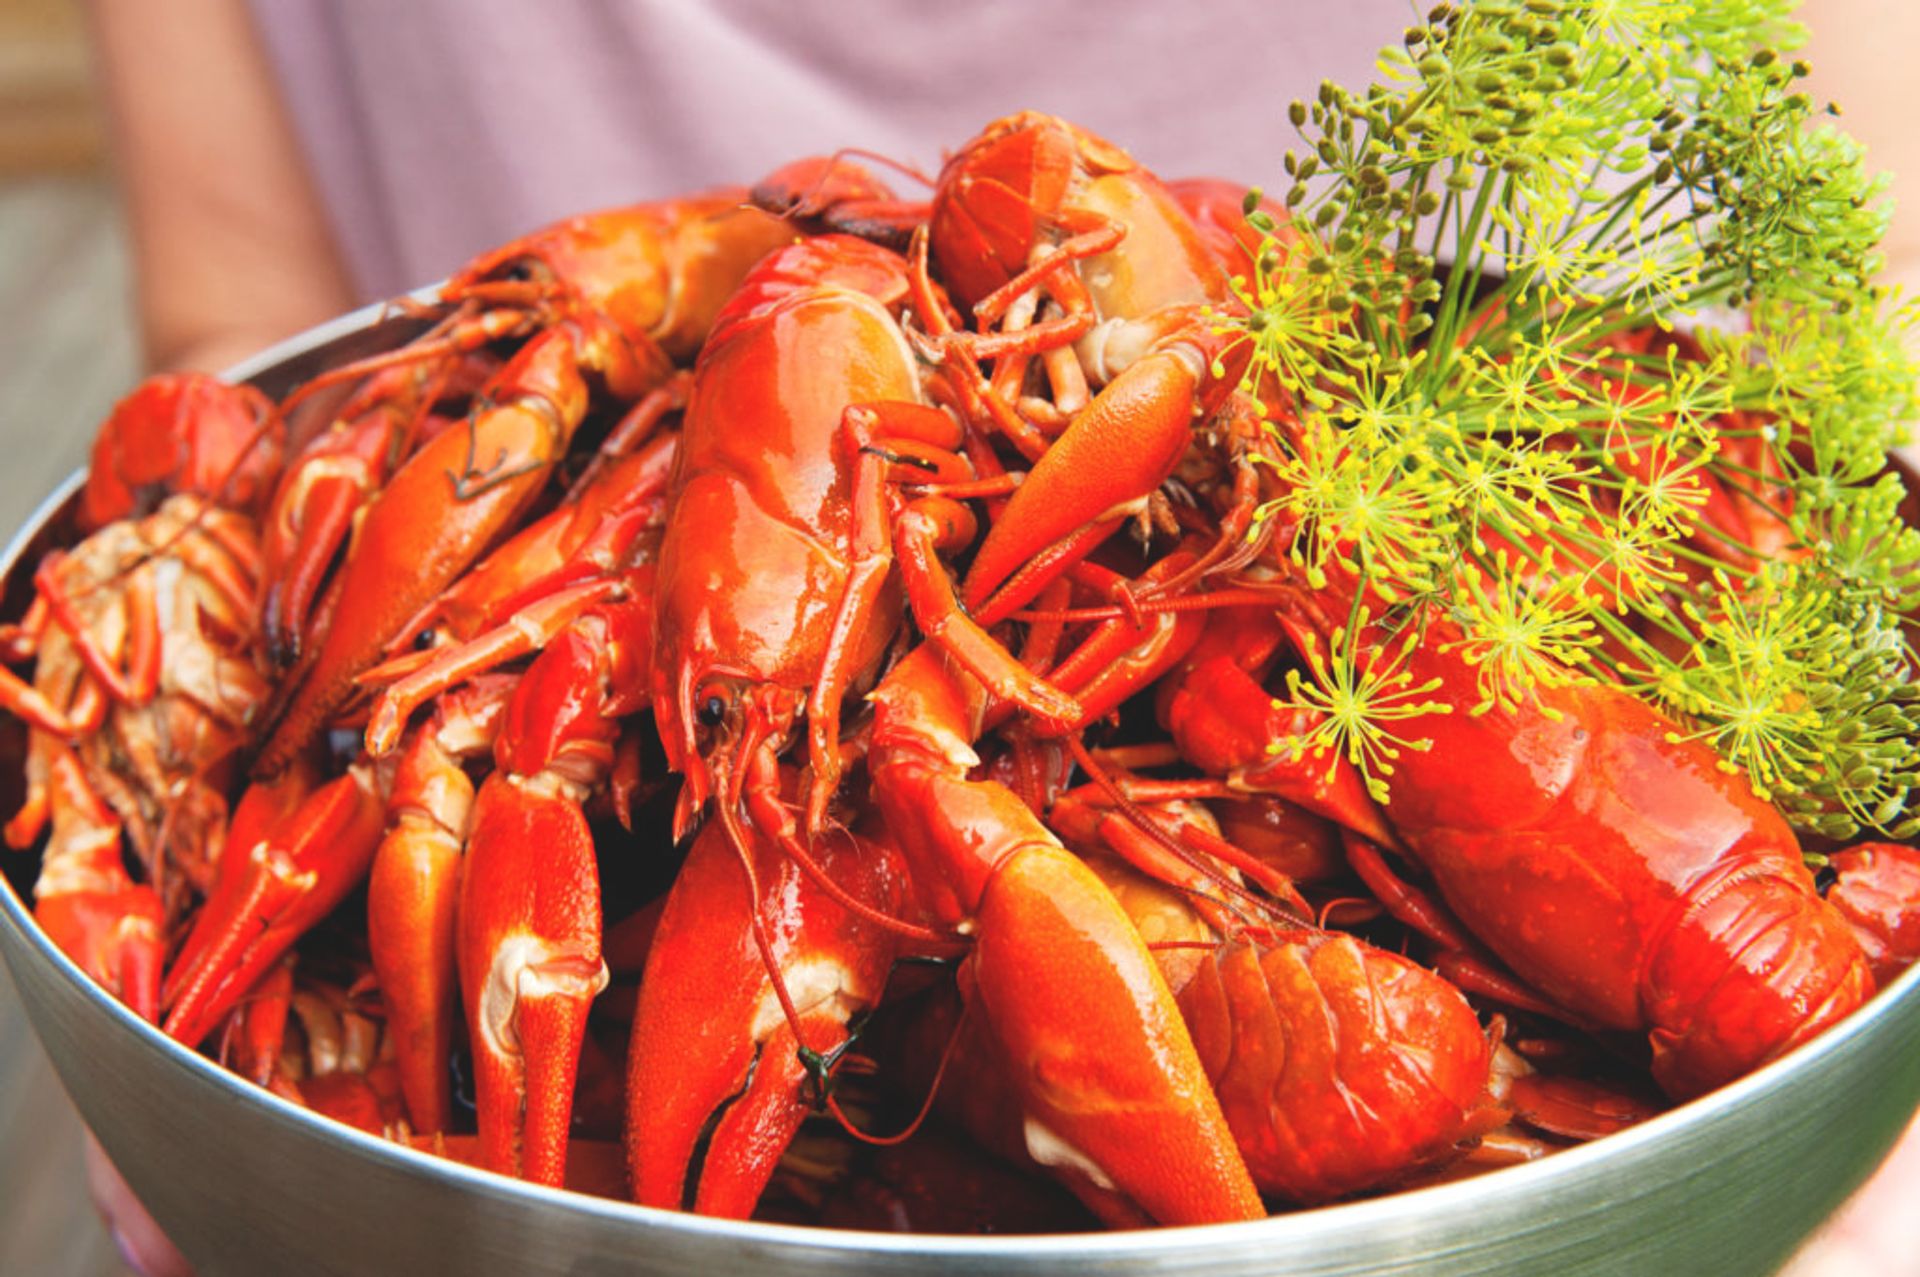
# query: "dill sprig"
[1357,702]
[1530,440]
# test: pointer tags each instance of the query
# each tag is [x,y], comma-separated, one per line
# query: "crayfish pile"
[772,666]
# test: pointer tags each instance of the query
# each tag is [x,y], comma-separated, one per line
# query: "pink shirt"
[437,128]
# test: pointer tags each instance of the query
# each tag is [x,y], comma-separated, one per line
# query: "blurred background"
[67,351]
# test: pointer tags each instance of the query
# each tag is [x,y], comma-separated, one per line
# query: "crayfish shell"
[1340,1066]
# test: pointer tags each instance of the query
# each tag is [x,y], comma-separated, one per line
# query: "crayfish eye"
[425,639]
[713,710]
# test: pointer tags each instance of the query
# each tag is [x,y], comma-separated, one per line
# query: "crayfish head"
[611,264]
[715,727]
[545,263]
[995,199]
[825,193]
[183,432]
[1006,190]
[659,270]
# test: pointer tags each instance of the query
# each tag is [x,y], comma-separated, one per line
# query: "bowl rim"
[1541,1177]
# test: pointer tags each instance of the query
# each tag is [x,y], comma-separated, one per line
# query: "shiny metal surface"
[247,1183]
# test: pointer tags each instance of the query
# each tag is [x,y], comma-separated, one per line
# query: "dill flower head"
[1526,440]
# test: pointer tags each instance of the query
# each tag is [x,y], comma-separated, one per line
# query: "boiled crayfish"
[819,513]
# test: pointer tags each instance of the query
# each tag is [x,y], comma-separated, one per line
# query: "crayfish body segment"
[1620,870]
[1096,1052]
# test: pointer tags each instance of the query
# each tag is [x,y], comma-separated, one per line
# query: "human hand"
[142,1244]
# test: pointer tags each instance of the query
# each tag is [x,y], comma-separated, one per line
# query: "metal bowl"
[245,1182]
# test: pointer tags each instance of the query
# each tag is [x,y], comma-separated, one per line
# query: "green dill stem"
[1681,550]
[1749,394]
[1464,275]
[1513,285]
[1736,469]
[1364,574]
[1750,432]
[1624,316]
[1496,337]
[1652,661]
[1506,255]
[1621,203]
[1594,171]
[1717,468]
[1449,208]
[1371,333]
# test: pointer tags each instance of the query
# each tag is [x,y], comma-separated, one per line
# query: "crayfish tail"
[1751,971]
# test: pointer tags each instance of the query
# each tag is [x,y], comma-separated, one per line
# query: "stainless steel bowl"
[245,1182]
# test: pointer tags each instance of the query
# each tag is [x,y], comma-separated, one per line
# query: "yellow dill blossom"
[1630,561]
[1524,630]
[1292,319]
[1356,704]
[1512,384]
[1558,256]
[1497,441]
[1354,497]
[1745,677]
[1517,489]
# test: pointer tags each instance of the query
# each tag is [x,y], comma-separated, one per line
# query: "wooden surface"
[66,352]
